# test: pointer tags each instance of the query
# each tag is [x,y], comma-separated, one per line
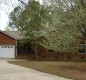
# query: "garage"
[7,51]
[7,45]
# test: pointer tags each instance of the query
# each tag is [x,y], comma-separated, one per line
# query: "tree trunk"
[36,54]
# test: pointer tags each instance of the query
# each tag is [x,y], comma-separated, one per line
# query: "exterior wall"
[43,54]
[6,40]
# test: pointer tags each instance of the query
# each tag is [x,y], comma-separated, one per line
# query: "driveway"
[14,72]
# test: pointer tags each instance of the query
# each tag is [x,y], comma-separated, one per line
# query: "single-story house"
[9,48]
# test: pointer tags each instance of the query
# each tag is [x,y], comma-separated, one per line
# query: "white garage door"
[7,51]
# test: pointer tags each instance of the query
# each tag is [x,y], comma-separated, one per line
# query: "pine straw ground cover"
[72,70]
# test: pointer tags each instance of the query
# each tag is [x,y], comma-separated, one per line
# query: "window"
[82,47]
[6,47]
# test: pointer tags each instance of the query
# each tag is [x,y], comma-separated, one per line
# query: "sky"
[5,9]
[3,20]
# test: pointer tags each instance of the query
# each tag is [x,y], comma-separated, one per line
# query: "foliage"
[71,13]
[69,18]
[32,19]
[62,21]
[14,18]
[62,40]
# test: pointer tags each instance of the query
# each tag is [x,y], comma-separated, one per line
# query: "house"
[9,48]
[80,55]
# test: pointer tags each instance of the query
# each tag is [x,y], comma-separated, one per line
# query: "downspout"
[16,49]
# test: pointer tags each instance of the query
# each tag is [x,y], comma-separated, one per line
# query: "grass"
[72,70]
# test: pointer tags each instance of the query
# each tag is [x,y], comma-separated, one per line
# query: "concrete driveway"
[14,72]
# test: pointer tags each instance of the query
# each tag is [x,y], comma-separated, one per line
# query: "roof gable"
[7,34]
[14,34]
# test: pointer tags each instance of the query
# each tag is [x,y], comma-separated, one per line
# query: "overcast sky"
[5,9]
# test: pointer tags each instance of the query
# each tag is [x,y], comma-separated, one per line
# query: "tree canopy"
[71,13]
[69,18]
[31,19]
[61,21]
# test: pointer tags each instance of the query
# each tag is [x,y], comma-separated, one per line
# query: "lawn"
[72,70]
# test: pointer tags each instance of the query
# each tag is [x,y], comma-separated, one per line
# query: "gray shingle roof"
[15,34]
[18,34]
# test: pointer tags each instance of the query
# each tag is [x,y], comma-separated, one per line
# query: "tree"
[14,18]
[67,20]
[71,13]
[62,41]
[31,20]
